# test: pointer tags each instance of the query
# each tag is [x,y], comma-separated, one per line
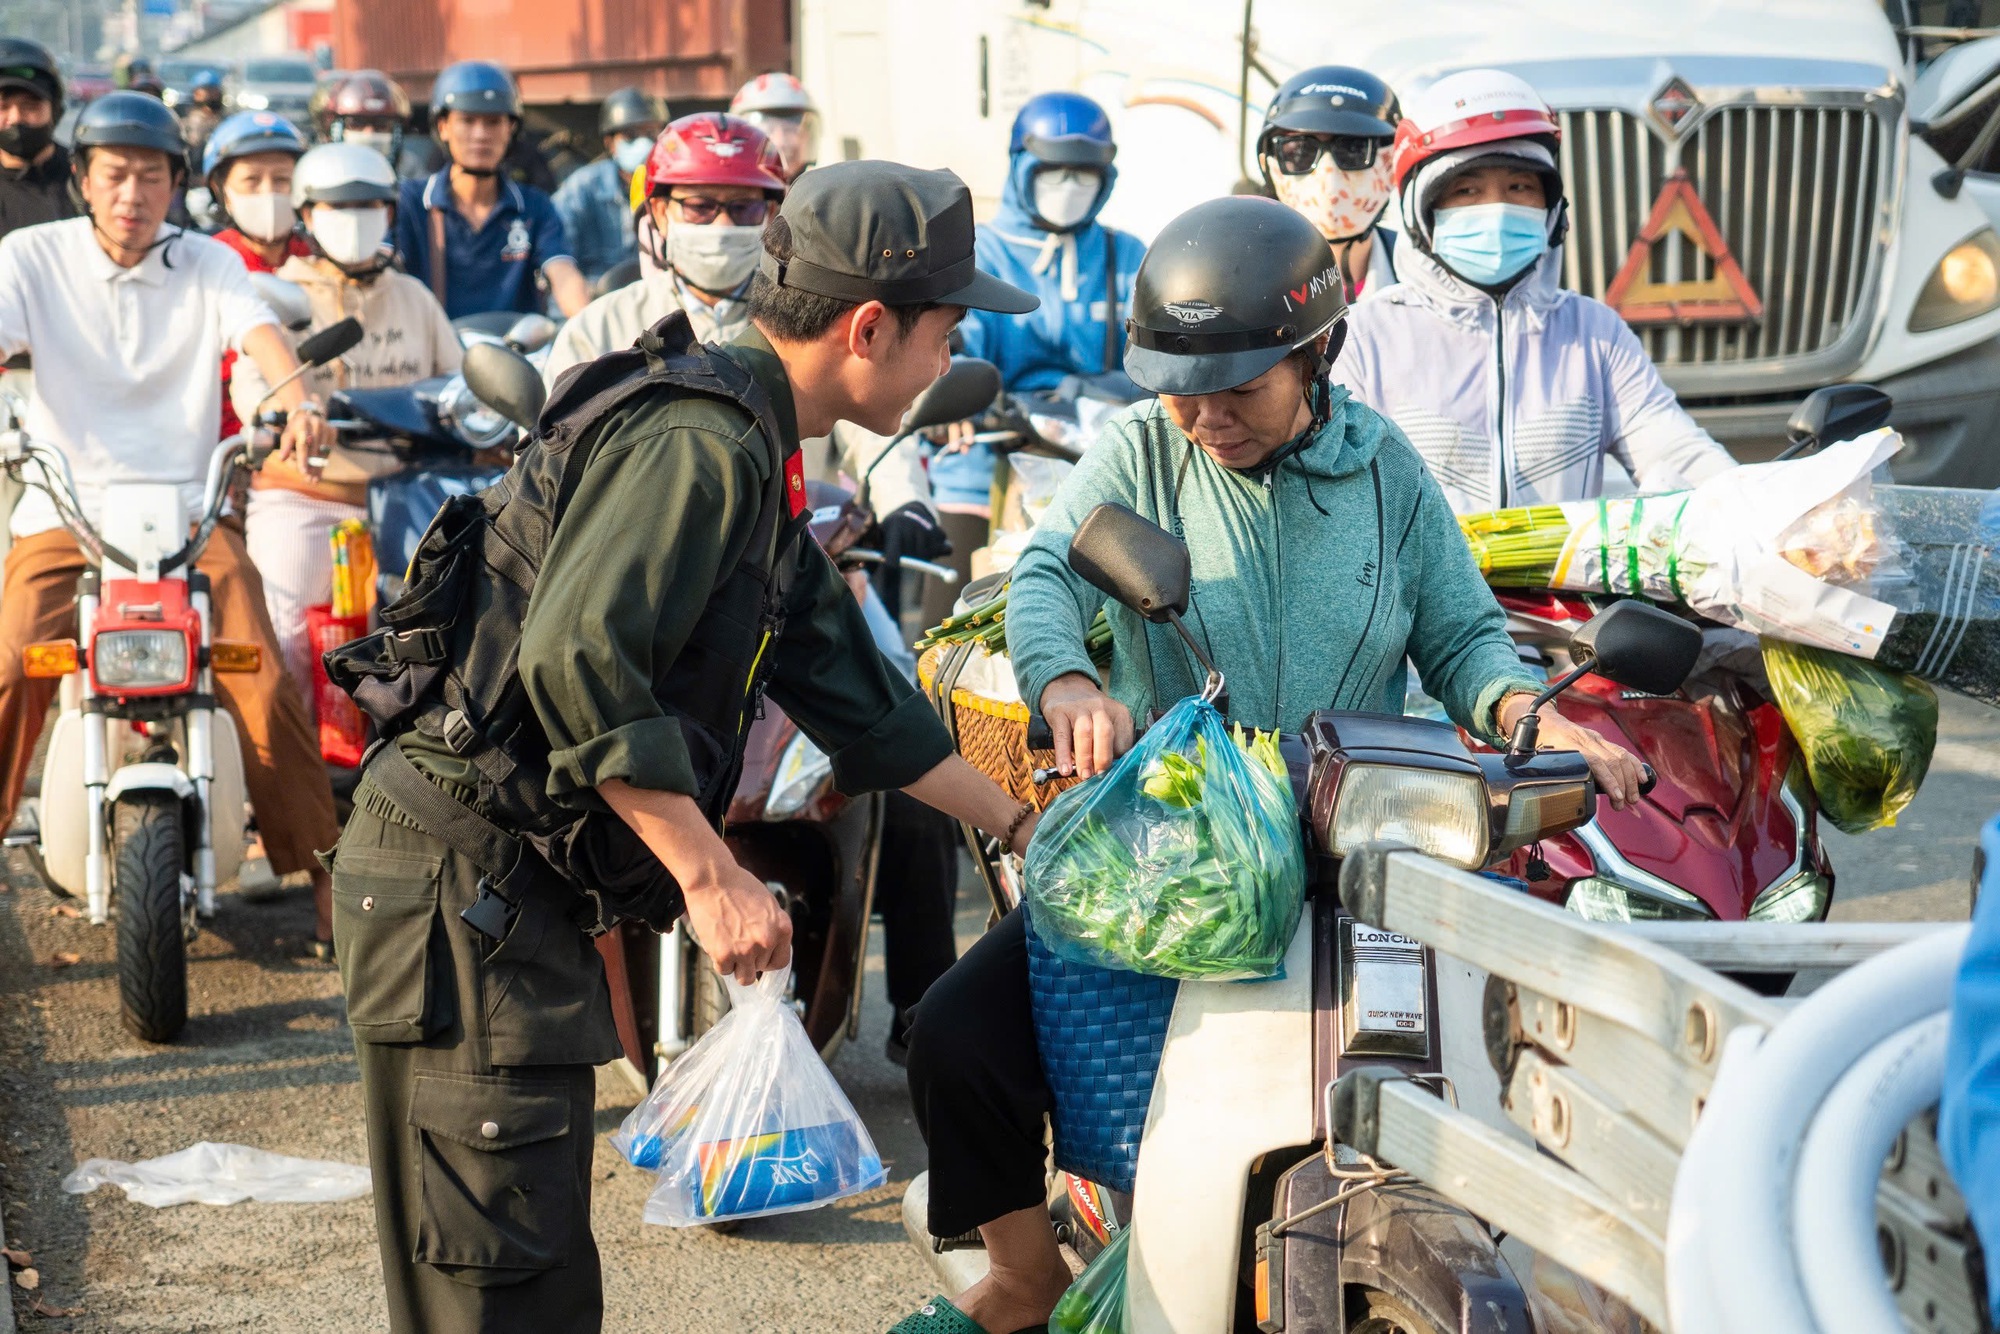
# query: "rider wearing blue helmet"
[247,166]
[478,238]
[1046,239]
[201,111]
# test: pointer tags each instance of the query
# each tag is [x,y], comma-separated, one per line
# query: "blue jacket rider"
[1045,238]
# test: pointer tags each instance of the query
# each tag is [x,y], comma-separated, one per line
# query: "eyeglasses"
[701,210]
[1298,154]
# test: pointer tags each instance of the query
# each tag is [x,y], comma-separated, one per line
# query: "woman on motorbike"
[1323,554]
[1513,389]
[248,165]
[1324,151]
[346,195]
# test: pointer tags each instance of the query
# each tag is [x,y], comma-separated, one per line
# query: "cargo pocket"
[500,1188]
[385,907]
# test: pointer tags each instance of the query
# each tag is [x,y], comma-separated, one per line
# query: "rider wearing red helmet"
[701,200]
[366,107]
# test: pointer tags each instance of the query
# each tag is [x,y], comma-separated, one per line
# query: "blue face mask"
[631,154]
[1490,243]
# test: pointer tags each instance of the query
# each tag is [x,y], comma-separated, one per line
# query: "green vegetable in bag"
[1182,860]
[1095,1303]
[1866,732]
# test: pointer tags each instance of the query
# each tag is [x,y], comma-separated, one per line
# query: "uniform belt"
[508,863]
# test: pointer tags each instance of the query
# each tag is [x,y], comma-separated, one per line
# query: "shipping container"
[567,51]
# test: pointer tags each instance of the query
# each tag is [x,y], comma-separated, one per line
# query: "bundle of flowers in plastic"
[749,1121]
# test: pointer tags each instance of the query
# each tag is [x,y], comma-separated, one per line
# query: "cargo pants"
[476,1064]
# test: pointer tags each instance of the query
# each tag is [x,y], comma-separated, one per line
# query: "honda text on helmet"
[1063,141]
[1324,148]
[28,67]
[346,195]
[717,178]
[780,106]
[1228,290]
[258,199]
[366,107]
[1475,166]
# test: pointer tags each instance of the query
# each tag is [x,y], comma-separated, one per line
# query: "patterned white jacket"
[1518,403]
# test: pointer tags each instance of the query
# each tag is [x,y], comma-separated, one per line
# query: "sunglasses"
[1298,154]
[701,210]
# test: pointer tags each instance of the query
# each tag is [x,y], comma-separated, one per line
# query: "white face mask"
[1064,196]
[714,258]
[379,140]
[263,217]
[631,154]
[350,236]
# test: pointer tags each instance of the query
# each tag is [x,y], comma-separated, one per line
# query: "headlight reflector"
[1965,283]
[1443,814]
[801,770]
[1803,898]
[1596,899]
[134,659]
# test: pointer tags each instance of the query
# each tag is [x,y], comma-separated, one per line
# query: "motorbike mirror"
[966,390]
[287,300]
[531,332]
[503,380]
[1837,412]
[1639,646]
[1134,560]
[334,340]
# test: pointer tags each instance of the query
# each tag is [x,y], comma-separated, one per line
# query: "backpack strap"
[438,283]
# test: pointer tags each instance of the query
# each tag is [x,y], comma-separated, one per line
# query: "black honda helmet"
[625,108]
[1334,99]
[1227,291]
[26,64]
[129,120]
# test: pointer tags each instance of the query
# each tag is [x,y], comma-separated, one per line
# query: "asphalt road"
[266,1061]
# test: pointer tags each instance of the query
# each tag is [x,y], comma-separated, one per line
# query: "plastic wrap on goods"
[1866,732]
[1181,860]
[1809,551]
[1095,1302]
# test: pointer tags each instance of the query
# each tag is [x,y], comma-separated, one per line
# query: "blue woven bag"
[1101,1033]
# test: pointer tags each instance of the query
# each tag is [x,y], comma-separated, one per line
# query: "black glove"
[911,531]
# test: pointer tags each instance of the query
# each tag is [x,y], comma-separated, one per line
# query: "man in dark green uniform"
[478,1004]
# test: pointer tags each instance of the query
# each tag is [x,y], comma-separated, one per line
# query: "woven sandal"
[939,1316]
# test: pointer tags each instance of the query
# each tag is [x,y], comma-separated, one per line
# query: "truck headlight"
[801,770]
[1965,283]
[1596,899]
[134,659]
[252,101]
[1443,814]
[1803,898]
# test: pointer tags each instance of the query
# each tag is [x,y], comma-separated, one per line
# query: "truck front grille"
[1796,192]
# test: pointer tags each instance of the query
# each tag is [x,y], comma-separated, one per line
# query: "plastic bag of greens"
[1866,732]
[1095,1303]
[1182,860]
[749,1121]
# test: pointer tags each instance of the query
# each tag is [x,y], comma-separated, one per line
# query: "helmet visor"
[795,134]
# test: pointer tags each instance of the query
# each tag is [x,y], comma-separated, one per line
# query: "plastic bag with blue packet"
[1183,859]
[749,1121]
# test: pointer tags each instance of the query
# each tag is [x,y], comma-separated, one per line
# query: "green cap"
[881,231]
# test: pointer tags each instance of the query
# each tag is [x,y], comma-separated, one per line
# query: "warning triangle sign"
[1724,298]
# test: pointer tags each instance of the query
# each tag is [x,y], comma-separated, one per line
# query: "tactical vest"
[445,662]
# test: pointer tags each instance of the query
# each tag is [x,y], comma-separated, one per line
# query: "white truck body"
[1792,119]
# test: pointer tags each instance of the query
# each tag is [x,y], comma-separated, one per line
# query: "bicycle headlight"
[477,425]
[1443,814]
[802,770]
[136,659]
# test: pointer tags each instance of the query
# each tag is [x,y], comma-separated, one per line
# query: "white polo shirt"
[128,362]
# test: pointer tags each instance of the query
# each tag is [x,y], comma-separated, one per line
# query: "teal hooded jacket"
[1314,580]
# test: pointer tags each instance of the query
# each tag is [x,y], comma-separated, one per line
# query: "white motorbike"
[142,794]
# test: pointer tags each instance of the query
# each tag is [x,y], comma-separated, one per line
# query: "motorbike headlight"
[1965,283]
[252,101]
[479,426]
[802,770]
[1443,814]
[132,659]
[1596,899]
[1802,898]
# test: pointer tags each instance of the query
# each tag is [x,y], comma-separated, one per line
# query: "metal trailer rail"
[1606,1040]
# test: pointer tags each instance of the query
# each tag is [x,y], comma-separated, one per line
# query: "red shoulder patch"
[795,482]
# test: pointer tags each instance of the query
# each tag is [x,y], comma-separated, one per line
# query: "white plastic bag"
[749,1121]
[222,1174]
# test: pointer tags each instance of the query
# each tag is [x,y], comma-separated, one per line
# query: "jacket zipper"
[1277,611]
[1500,404]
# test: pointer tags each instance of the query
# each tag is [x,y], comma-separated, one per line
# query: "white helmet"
[775,92]
[343,173]
[779,105]
[1473,118]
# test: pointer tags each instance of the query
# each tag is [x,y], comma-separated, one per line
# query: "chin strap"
[168,239]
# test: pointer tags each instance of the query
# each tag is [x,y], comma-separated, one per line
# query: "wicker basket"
[992,735]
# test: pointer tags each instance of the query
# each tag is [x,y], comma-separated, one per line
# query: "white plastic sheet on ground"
[222,1174]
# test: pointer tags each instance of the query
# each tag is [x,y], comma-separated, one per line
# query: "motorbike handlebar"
[1648,778]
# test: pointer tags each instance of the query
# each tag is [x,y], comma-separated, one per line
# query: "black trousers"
[916,891]
[976,1083]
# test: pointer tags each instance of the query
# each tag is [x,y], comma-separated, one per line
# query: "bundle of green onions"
[986,626]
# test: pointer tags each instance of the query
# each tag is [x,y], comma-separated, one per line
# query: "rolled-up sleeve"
[828,675]
[626,578]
